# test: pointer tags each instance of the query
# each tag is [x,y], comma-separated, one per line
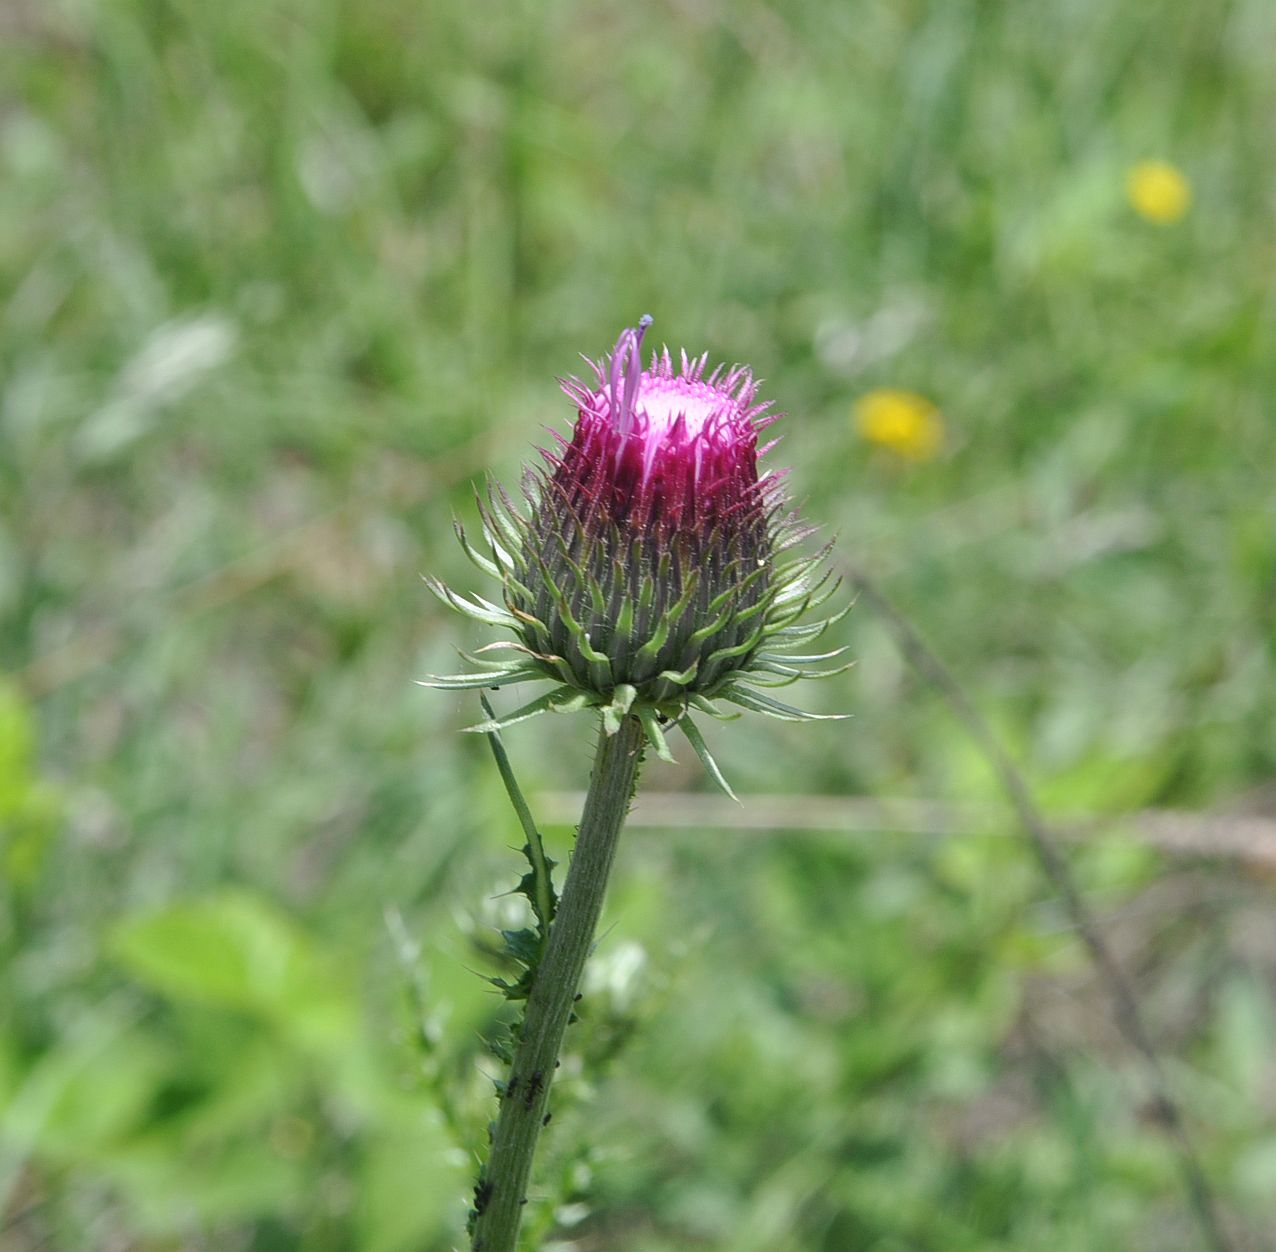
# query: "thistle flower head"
[663,449]
[649,571]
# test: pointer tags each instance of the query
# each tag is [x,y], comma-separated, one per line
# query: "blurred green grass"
[278,281]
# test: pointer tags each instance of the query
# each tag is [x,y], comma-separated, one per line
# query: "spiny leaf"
[789,535]
[479,609]
[492,678]
[494,666]
[701,749]
[779,635]
[625,619]
[759,703]
[651,724]
[736,589]
[571,701]
[791,673]
[723,654]
[788,658]
[829,673]
[673,615]
[683,678]
[622,701]
[523,945]
[504,645]
[706,705]
[759,676]
[824,591]
[532,709]
[488,566]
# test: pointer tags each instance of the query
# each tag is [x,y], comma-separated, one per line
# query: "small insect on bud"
[651,570]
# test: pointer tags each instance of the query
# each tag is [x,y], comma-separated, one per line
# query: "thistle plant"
[649,572]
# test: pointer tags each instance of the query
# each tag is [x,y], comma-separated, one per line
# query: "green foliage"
[29,806]
[231,951]
[279,281]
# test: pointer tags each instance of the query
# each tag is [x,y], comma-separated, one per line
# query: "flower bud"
[649,572]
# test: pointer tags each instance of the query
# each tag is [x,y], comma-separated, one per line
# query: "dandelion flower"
[902,421]
[1158,191]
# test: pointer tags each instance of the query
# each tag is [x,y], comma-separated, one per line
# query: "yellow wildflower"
[906,423]
[1158,191]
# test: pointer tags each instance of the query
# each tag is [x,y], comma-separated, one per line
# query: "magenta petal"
[660,449]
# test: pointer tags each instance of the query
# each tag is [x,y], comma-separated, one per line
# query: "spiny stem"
[502,1185]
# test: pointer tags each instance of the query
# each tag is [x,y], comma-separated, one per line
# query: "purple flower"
[651,571]
[664,450]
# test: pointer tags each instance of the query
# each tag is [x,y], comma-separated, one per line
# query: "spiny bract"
[651,571]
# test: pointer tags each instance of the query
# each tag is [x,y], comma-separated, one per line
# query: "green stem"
[502,1186]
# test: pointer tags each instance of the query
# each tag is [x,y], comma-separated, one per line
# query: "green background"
[279,280]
